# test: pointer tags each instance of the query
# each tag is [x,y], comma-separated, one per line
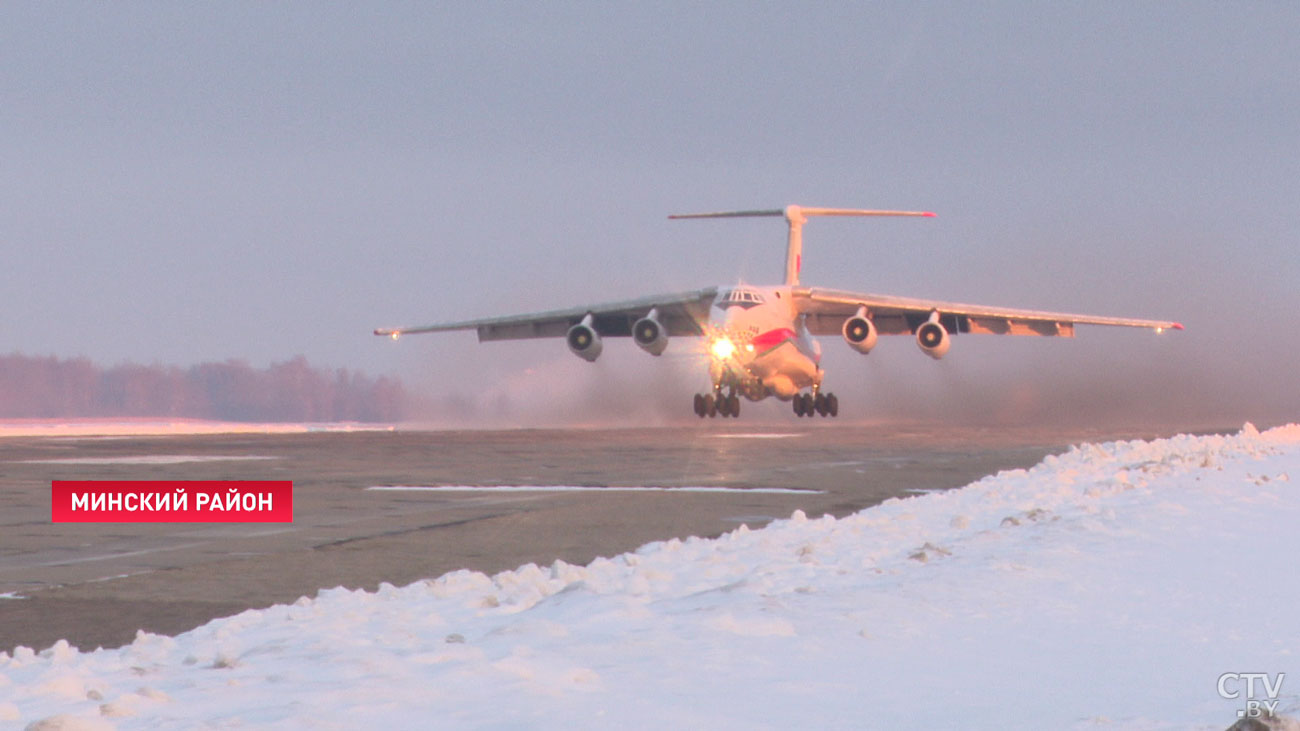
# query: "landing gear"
[813,404]
[716,404]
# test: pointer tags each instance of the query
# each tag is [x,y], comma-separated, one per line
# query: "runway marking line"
[588,488]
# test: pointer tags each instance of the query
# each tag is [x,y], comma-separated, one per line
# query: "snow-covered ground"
[1109,587]
[148,459]
[116,428]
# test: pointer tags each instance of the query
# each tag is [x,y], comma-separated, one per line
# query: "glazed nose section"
[736,322]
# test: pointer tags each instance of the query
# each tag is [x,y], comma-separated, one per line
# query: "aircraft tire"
[798,404]
[819,404]
[832,404]
[710,406]
[699,405]
[733,405]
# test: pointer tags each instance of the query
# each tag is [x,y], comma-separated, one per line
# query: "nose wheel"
[716,404]
[816,404]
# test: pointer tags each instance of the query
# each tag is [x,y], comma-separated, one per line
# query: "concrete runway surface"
[97,584]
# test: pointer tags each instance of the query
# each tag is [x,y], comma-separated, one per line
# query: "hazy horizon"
[186,184]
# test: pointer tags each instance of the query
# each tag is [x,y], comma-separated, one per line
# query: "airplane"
[759,340]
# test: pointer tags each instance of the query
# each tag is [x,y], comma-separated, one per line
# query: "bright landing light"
[723,348]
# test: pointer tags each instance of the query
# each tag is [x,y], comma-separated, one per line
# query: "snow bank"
[162,427]
[1109,587]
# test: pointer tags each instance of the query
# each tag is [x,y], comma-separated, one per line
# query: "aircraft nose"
[733,326]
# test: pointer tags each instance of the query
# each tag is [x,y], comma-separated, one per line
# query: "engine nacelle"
[650,334]
[859,332]
[584,341]
[933,338]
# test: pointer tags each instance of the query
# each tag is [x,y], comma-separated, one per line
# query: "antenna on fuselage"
[796,217]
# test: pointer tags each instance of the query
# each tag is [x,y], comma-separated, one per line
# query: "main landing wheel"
[729,405]
[707,404]
[824,404]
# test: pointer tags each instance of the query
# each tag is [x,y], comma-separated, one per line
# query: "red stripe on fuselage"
[772,338]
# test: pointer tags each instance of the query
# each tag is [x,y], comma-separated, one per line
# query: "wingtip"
[929,214]
[1178,326]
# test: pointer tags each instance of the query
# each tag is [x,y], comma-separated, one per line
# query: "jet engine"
[584,341]
[859,332]
[650,334]
[932,338]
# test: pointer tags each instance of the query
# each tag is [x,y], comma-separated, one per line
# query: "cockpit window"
[740,297]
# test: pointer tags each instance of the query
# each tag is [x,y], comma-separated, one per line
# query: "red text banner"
[171,501]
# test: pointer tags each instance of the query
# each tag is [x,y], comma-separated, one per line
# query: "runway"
[97,584]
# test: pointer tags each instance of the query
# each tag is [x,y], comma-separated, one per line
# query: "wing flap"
[552,328]
[1006,326]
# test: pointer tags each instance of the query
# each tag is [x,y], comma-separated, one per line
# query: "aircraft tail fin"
[795,217]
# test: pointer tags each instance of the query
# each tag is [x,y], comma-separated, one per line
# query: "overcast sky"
[186,182]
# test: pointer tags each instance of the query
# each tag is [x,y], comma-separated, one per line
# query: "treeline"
[48,387]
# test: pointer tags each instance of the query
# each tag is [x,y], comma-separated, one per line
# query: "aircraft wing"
[684,313]
[827,309]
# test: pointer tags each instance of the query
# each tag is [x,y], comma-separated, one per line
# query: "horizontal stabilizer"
[731,214]
[795,217]
[795,211]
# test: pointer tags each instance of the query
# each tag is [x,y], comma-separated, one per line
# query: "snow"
[1105,588]
[149,459]
[116,428]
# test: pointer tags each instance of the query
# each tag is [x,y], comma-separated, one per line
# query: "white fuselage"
[757,344]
